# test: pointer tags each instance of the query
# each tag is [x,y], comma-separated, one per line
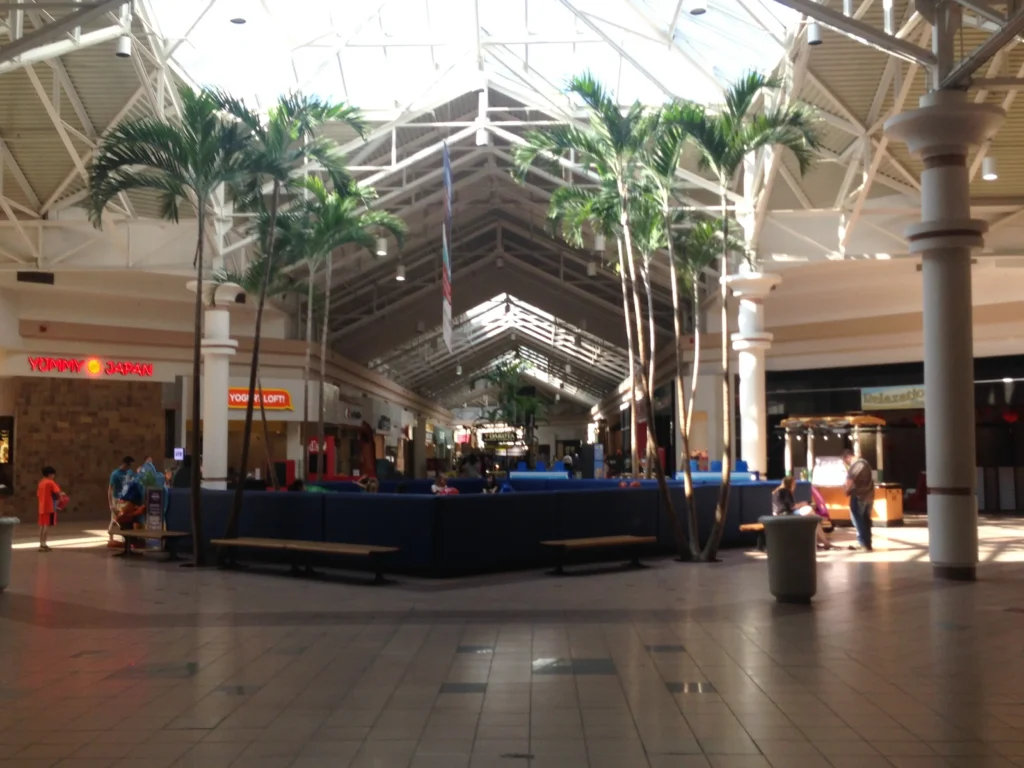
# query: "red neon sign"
[90,366]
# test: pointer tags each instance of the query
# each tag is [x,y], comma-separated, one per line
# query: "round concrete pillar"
[941,131]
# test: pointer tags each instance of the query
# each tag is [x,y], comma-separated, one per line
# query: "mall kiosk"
[828,473]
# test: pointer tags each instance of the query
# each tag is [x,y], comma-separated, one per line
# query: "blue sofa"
[473,531]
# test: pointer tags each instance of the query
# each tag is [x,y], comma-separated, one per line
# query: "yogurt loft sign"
[91,366]
[273,399]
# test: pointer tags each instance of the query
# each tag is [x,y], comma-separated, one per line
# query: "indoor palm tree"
[340,217]
[184,162]
[724,138]
[283,142]
[252,279]
[571,210]
[610,149]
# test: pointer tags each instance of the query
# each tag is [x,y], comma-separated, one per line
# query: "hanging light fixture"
[458,369]
[123,48]
[591,269]
[400,273]
[599,242]
[568,368]
[382,246]
[558,396]
[989,170]
[813,33]
[697,7]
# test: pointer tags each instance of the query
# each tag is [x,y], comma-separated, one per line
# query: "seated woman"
[491,485]
[368,484]
[784,503]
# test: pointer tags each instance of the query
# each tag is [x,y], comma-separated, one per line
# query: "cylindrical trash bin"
[6,540]
[792,557]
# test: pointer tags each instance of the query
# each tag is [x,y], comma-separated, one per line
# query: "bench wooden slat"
[752,527]
[252,542]
[601,541]
[337,548]
[135,533]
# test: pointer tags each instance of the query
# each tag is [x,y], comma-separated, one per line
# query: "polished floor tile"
[144,665]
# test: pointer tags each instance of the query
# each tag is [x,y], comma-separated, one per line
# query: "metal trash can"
[6,540]
[792,556]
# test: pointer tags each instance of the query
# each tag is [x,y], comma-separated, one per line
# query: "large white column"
[750,343]
[941,131]
[218,348]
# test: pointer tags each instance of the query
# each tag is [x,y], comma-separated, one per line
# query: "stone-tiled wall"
[82,429]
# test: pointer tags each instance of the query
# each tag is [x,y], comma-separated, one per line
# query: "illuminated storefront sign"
[91,366]
[891,398]
[273,399]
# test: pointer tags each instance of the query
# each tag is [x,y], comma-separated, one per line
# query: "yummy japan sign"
[91,366]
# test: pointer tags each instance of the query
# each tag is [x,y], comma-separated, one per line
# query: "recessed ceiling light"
[239,20]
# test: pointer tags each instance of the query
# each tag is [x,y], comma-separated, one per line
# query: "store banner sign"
[91,366]
[446,257]
[273,399]
[892,398]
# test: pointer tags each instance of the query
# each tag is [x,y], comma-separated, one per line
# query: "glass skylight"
[383,55]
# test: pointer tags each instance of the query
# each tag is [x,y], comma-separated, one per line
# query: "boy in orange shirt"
[47,492]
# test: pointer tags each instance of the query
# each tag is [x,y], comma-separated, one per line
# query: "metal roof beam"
[862,31]
[977,58]
[33,46]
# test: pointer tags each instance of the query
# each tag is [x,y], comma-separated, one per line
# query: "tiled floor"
[142,664]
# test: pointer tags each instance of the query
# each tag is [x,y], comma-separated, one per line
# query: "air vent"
[41,278]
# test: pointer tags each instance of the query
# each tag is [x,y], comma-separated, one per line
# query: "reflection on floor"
[111,663]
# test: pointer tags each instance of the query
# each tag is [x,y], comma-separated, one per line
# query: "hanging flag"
[446,239]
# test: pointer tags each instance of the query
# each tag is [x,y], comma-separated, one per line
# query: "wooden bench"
[826,525]
[305,548]
[562,547]
[757,528]
[170,539]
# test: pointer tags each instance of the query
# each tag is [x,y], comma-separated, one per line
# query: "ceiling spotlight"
[599,242]
[591,269]
[382,246]
[513,336]
[499,262]
[558,396]
[458,369]
[400,273]
[813,33]
[568,368]
[697,7]
[123,48]
[483,137]
[989,171]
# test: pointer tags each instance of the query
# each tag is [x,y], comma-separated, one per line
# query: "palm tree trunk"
[236,505]
[647,387]
[722,508]
[195,492]
[305,376]
[322,448]
[634,455]
[652,454]
[266,440]
[694,381]
[684,428]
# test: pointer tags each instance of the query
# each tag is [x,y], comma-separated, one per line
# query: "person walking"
[860,487]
